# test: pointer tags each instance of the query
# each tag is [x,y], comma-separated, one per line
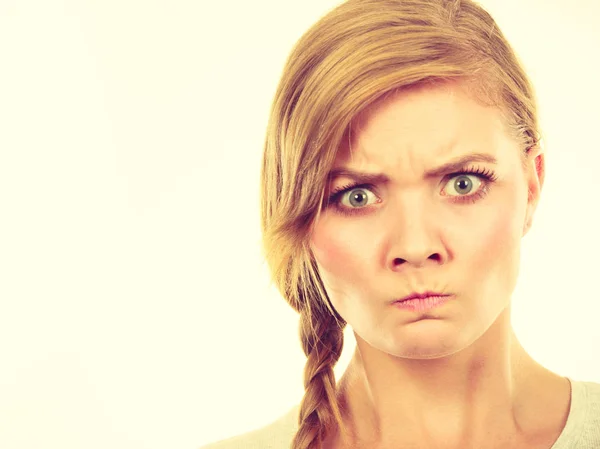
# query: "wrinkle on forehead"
[362,119]
[347,151]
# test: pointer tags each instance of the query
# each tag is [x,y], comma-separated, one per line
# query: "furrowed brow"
[366,178]
[454,165]
[459,164]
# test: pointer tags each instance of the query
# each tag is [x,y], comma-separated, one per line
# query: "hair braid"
[322,341]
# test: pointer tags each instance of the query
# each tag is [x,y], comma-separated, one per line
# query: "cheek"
[494,246]
[341,252]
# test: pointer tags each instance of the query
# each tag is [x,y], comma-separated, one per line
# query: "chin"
[428,340]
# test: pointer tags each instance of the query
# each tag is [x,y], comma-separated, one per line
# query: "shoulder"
[582,429]
[591,413]
[276,435]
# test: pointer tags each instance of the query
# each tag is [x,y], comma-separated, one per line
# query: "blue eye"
[354,198]
[357,197]
[464,184]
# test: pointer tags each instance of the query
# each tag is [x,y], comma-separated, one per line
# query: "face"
[398,222]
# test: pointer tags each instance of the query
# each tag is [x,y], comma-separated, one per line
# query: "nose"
[415,236]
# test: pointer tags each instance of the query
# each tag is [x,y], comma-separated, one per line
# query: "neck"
[487,389]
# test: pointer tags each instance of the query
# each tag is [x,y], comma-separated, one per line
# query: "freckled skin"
[415,238]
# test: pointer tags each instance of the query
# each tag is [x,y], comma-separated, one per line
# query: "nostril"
[399,261]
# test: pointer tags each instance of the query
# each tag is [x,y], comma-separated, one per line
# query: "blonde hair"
[353,56]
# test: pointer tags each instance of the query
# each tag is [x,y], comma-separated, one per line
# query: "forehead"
[426,121]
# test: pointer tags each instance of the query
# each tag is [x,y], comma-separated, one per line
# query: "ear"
[535,171]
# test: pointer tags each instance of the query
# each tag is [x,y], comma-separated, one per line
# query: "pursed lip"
[420,296]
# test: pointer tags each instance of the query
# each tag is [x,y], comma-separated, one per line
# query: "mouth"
[422,302]
[424,295]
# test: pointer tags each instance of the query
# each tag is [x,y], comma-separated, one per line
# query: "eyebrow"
[454,165]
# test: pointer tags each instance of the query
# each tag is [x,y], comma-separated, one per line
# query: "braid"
[322,341]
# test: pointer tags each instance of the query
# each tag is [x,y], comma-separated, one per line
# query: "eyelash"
[486,175]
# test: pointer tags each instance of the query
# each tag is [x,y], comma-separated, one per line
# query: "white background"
[135,309]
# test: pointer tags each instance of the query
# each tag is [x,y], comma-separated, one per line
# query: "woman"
[403,165]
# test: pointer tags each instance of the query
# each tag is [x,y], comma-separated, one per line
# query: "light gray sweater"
[582,430]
